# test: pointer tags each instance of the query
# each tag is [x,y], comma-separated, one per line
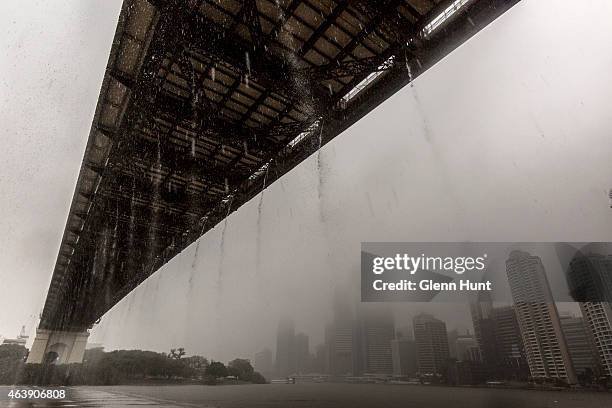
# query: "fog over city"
[479,148]
[466,154]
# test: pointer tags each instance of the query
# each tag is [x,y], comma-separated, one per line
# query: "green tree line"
[123,367]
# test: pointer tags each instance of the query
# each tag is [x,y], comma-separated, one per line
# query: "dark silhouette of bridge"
[205,103]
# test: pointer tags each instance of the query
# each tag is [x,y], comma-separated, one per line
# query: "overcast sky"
[52,59]
[507,139]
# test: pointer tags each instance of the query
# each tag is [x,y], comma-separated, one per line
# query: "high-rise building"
[319,363]
[404,356]
[538,318]
[375,331]
[263,362]
[339,338]
[340,348]
[285,348]
[499,340]
[580,344]
[467,349]
[512,361]
[302,354]
[484,331]
[431,343]
[590,282]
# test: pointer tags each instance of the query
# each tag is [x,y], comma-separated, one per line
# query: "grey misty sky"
[507,139]
[52,59]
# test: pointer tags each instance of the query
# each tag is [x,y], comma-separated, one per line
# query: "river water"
[322,395]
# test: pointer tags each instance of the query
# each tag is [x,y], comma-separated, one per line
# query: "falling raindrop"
[213,73]
[193,146]
[320,172]
[246,150]
[248,62]
[409,71]
[193,266]
[226,186]
[158,151]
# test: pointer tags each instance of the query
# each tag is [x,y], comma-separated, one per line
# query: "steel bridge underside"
[204,103]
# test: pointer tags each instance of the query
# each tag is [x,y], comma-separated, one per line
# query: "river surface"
[314,395]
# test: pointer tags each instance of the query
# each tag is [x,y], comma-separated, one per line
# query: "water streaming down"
[220,289]
[287,37]
[132,219]
[259,225]
[320,171]
[459,207]
[109,276]
[194,101]
[154,224]
[228,202]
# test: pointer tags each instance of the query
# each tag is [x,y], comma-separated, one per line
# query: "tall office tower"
[302,354]
[580,344]
[590,282]
[484,330]
[285,348]
[500,342]
[466,349]
[319,362]
[538,318]
[431,343]
[340,339]
[404,356]
[404,332]
[376,330]
[512,363]
[263,362]
[339,344]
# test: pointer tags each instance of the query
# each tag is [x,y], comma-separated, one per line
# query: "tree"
[241,368]
[177,353]
[216,369]
[11,362]
[257,378]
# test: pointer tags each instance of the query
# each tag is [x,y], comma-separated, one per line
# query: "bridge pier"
[58,347]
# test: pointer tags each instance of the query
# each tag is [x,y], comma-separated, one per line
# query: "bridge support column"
[58,347]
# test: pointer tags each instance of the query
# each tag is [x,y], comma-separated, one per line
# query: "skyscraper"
[580,344]
[467,349]
[340,339]
[375,331]
[590,282]
[431,343]
[484,330]
[499,339]
[538,318]
[404,356]
[263,362]
[302,354]
[285,348]
[512,363]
